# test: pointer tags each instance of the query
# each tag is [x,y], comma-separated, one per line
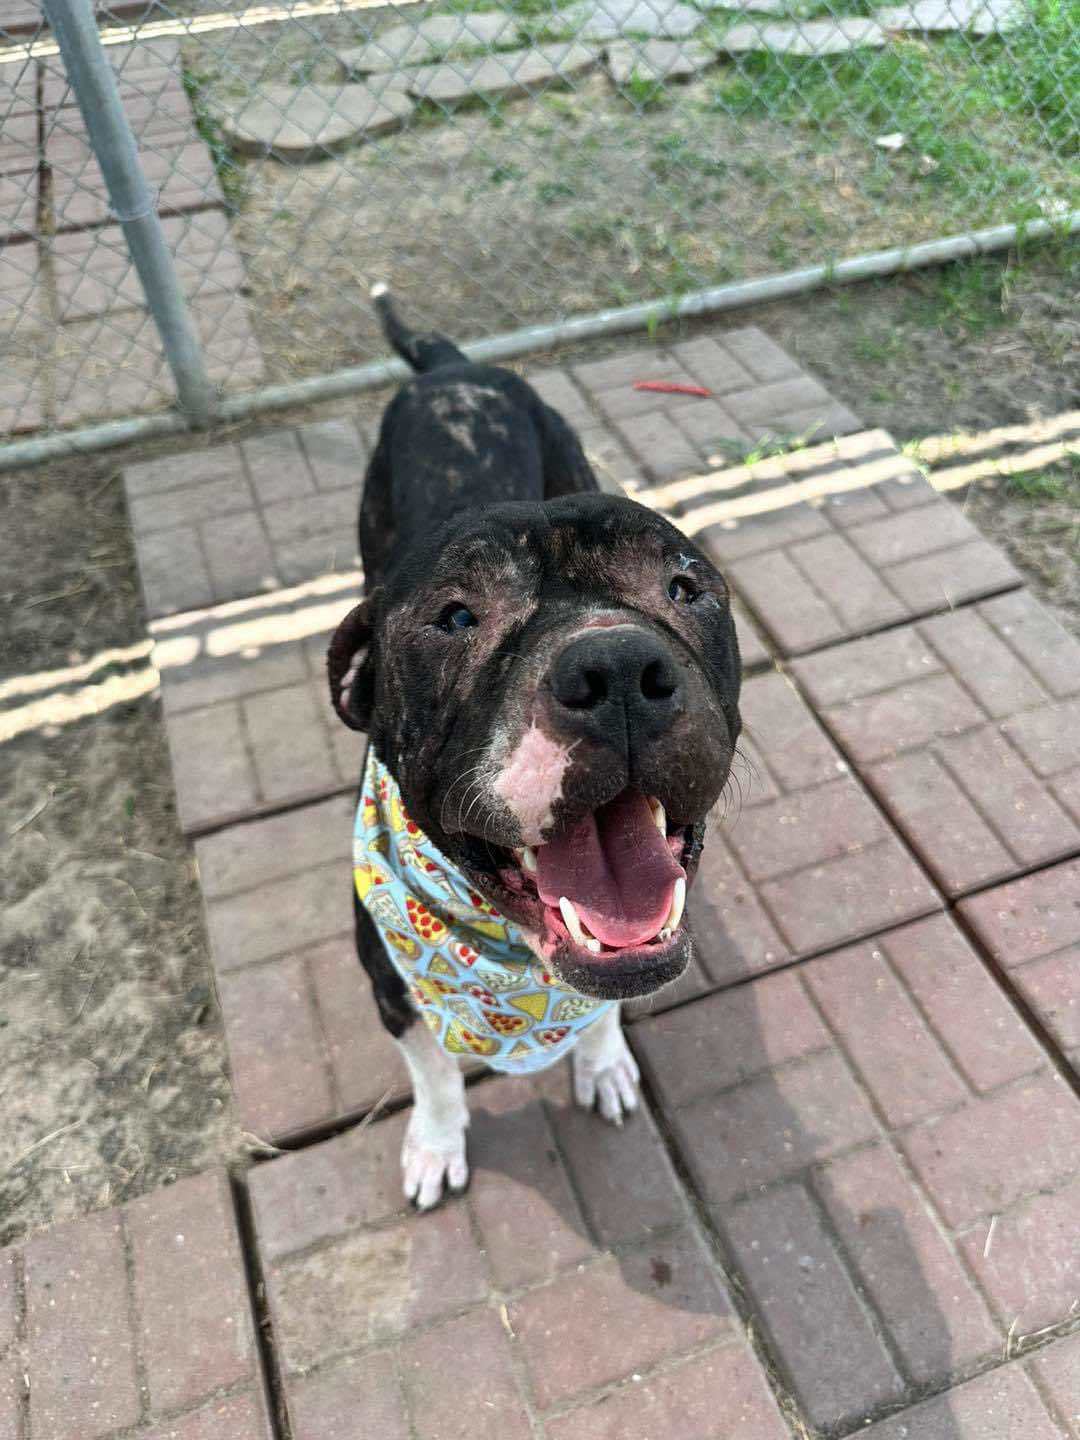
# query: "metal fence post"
[133,202]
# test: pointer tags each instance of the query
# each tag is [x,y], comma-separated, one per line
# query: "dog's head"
[555,689]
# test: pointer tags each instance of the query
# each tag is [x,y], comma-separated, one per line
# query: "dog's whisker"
[473,769]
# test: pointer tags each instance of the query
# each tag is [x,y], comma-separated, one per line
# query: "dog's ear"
[350,666]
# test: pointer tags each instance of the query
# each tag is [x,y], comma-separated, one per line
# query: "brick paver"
[1056,1371]
[24,339]
[310,537]
[835,541]
[18,206]
[1032,930]
[868,1131]
[26,17]
[992,1407]
[294,494]
[175,160]
[291,496]
[94,272]
[305,1042]
[247,711]
[18,142]
[183,175]
[98,353]
[572,1275]
[135,1320]
[18,87]
[114,364]
[967,728]
[757,390]
[798,858]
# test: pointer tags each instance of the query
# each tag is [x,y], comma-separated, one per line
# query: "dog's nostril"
[584,690]
[657,681]
[606,672]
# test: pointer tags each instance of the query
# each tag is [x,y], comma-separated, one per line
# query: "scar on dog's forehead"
[586,556]
[485,562]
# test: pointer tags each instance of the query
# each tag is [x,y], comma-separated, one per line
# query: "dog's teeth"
[528,860]
[571,921]
[659,815]
[678,901]
[665,934]
[593,944]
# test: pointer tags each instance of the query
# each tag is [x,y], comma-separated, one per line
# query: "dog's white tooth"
[678,902]
[528,860]
[659,815]
[665,933]
[593,944]
[571,921]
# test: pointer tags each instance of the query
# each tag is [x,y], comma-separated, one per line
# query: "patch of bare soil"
[113,1076]
[112,1063]
[1041,534]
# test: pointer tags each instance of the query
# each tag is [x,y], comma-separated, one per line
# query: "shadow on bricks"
[573,1262]
[818,1160]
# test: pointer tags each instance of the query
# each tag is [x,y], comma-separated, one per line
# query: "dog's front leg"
[605,1072]
[434,1148]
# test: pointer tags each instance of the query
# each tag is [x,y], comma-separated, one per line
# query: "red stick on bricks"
[669,387]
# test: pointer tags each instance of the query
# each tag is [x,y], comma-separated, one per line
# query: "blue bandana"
[480,988]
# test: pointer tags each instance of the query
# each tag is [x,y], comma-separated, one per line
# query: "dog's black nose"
[618,685]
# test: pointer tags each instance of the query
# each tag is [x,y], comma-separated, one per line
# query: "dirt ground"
[113,1074]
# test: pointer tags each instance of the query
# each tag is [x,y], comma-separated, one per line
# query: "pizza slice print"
[427,925]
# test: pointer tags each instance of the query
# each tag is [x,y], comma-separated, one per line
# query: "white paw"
[433,1156]
[607,1081]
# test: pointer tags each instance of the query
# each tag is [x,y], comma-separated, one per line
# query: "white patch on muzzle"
[530,781]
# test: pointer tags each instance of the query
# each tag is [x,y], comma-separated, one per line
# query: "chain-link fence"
[502,163]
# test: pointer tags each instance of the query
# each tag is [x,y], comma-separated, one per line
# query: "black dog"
[550,675]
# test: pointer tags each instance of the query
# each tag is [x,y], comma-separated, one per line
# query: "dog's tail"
[423,352]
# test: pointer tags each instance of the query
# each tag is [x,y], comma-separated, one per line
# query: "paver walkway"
[852,1202]
[77,338]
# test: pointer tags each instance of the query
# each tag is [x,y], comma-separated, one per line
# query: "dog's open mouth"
[612,884]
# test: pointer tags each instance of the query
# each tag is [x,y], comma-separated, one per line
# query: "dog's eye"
[682,590]
[456,617]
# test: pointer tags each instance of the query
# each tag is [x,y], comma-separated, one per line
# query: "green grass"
[971,296]
[968,107]
[1038,73]
[1059,483]
[974,296]
[645,92]
[233,177]
[677,155]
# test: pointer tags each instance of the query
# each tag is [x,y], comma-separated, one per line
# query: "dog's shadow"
[561,1194]
[558,1190]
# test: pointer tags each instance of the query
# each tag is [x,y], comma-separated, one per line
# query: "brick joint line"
[261,1320]
[887,1138]
[951,909]
[754,1325]
[1029,1014]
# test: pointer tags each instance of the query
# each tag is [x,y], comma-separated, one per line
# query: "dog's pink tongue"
[616,868]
